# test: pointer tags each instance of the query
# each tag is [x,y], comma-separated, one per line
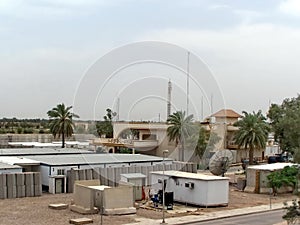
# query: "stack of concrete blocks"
[19,185]
[11,185]
[20,177]
[111,176]
[29,184]
[37,184]
[3,187]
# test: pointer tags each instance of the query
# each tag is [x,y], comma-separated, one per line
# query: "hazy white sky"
[48,46]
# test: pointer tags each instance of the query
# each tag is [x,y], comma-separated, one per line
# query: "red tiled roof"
[226,113]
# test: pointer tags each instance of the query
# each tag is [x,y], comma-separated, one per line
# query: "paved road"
[265,218]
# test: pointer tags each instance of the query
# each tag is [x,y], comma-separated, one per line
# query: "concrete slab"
[59,206]
[81,221]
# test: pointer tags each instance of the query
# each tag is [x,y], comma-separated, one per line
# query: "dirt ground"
[35,210]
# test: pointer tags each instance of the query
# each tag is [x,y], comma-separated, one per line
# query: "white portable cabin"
[193,188]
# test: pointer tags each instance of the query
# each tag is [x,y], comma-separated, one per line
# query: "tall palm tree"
[181,128]
[252,133]
[61,121]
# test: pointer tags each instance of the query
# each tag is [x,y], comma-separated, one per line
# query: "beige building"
[151,138]
[148,138]
[222,123]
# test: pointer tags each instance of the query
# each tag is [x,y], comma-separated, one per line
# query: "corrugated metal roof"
[41,151]
[8,166]
[85,159]
[133,175]
[196,176]
[18,160]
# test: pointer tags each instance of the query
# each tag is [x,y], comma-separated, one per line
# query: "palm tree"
[61,123]
[252,133]
[181,128]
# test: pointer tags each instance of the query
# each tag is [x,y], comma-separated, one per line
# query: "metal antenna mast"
[169,99]
[118,109]
[188,84]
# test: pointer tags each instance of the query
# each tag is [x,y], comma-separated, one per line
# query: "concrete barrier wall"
[119,197]
[111,176]
[19,185]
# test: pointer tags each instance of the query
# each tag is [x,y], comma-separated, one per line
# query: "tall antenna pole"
[118,109]
[169,99]
[188,83]
[201,108]
[211,104]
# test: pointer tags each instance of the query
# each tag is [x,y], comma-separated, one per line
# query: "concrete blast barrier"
[11,186]
[37,190]
[29,179]
[37,179]
[2,180]
[111,176]
[20,179]
[82,175]
[89,174]
[29,190]
[21,191]
[89,196]
[3,192]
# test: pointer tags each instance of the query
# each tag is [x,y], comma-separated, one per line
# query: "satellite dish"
[220,162]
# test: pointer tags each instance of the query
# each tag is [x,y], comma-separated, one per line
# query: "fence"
[112,176]
[19,185]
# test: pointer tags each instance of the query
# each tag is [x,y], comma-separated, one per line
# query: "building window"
[60,172]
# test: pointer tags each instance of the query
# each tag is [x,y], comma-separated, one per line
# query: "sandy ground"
[35,210]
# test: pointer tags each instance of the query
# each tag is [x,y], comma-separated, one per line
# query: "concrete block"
[20,177]
[70,182]
[12,192]
[82,175]
[10,180]
[29,190]
[29,179]
[124,170]
[37,190]
[119,211]
[131,169]
[103,176]
[21,191]
[89,174]
[37,179]
[81,221]
[3,192]
[111,177]
[96,174]
[58,206]
[2,180]
[138,169]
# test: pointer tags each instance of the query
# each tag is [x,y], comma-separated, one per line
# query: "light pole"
[163,186]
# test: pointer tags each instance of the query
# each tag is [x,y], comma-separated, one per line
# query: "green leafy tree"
[105,127]
[206,141]
[252,133]
[292,213]
[181,128]
[287,176]
[285,123]
[61,121]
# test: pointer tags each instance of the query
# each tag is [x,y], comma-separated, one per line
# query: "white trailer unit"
[193,188]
